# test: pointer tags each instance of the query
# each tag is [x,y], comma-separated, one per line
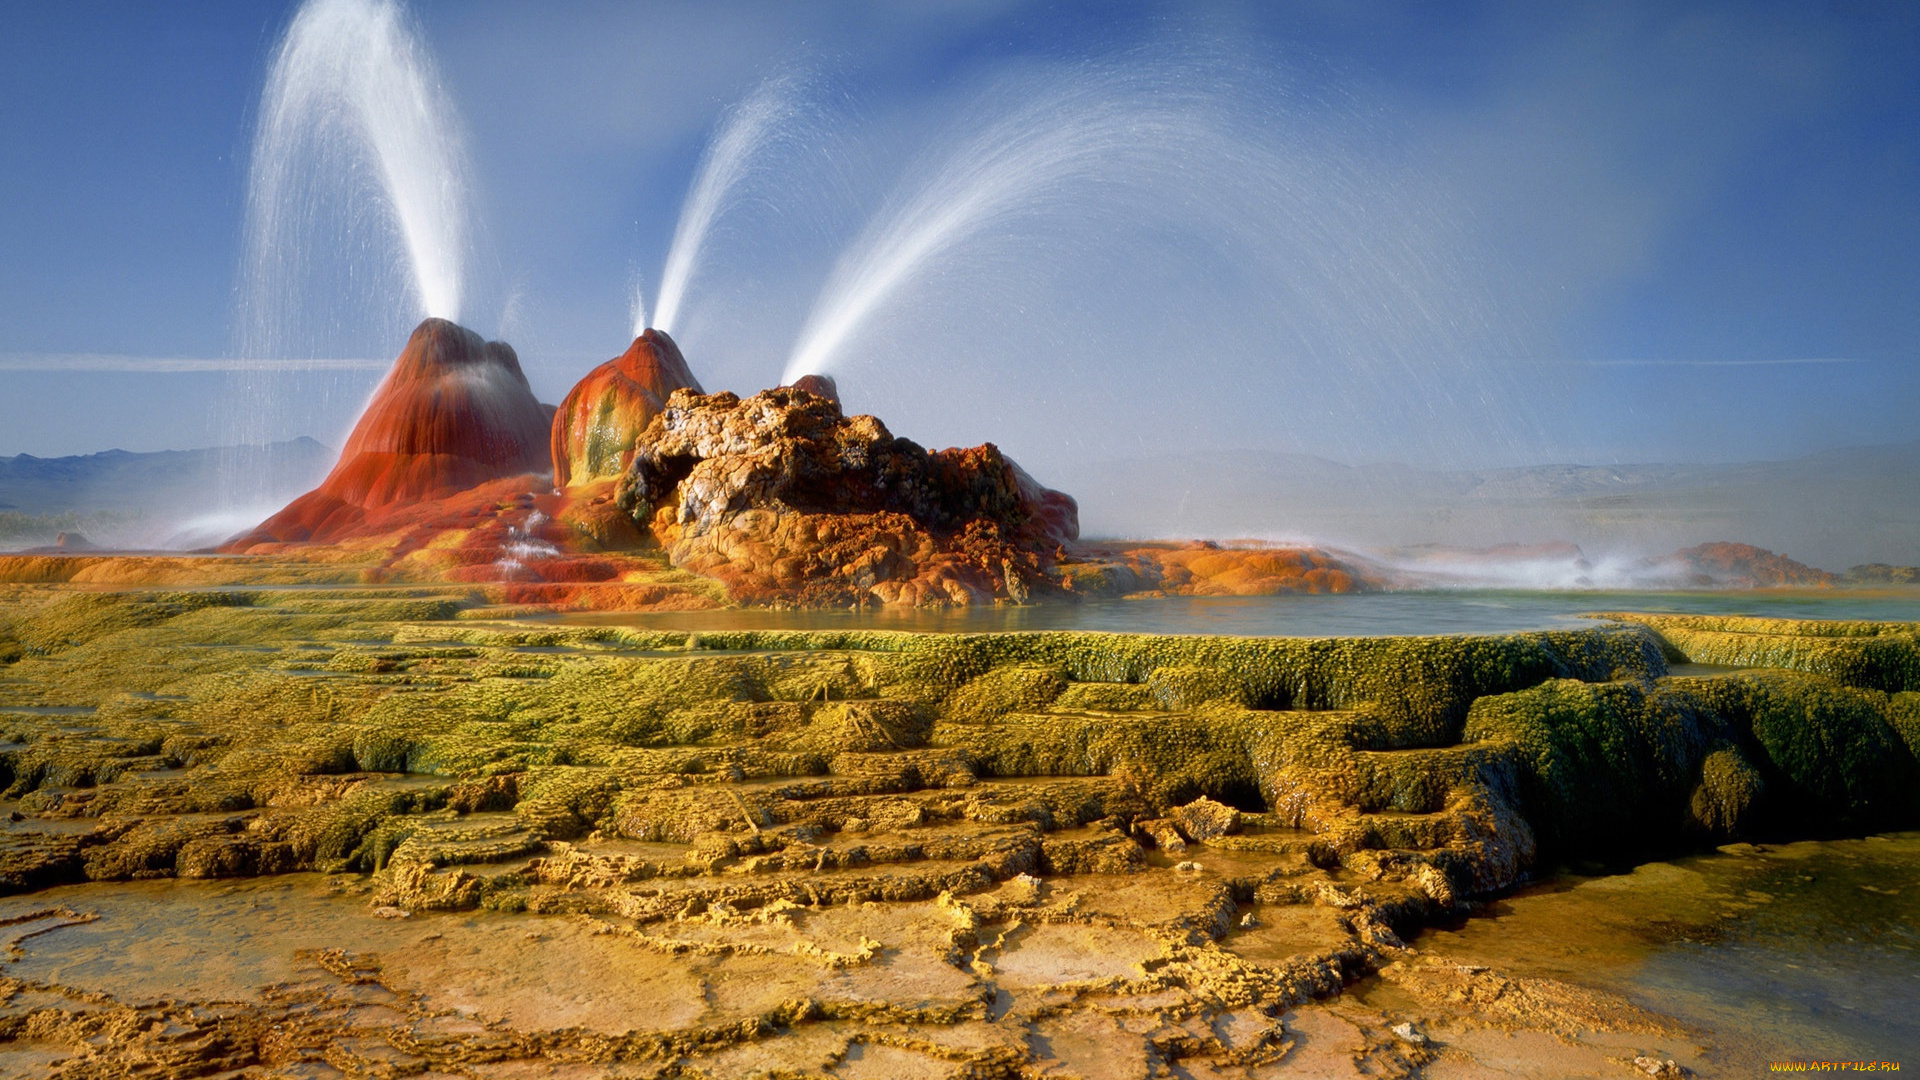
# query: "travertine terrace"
[389,832]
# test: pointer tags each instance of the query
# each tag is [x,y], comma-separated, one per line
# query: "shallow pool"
[1448,611]
[1798,951]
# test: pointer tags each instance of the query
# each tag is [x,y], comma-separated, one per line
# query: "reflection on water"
[1451,611]
[1806,950]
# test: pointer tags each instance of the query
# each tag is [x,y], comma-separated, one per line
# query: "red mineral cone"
[595,427]
[818,386]
[455,412]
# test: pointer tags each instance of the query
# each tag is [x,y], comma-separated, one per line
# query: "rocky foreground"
[377,832]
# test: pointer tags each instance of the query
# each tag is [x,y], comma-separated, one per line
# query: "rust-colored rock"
[1204,568]
[595,427]
[454,413]
[1723,564]
[785,500]
[819,386]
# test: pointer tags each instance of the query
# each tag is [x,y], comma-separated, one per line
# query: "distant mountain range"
[1833,510]
[165,498]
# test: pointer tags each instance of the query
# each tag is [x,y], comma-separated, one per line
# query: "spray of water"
[356,218]
[1186,205]
[639,307]
[352,97]
[729,160]
[1076,132]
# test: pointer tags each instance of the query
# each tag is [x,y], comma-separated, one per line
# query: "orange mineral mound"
[1204,568]
[514,540]
[1724,564]
[455,412]
[595,427]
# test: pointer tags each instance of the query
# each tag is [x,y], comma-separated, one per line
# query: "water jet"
[357,222]
[725,165]
[354,131]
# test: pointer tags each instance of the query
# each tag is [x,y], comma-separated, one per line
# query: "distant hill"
[126,498]
[1832,510]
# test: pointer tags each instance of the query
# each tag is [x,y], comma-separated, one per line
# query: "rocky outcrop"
[1730,565]
[1203,568]
[786,500]
[779,499]
[595,428]
[1883,574]
[454,413]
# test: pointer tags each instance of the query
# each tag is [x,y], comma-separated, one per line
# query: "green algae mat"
[457,843]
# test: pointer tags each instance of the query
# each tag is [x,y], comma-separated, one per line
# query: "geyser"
[1081,130]
[821,386]
[352,97]
[356,223]
[455,412]
[726,162]
[1185,203]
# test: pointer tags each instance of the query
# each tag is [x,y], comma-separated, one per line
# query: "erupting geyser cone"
[595,428]
[455,412]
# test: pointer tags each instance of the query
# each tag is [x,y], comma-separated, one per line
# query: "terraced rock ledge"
[384,832]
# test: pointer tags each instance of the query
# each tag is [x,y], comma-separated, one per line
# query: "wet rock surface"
[603,416]
[454,412]
[623,852]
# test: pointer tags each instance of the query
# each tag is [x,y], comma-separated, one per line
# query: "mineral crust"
[389,831]
[596,426]
[454,413]
[783,499]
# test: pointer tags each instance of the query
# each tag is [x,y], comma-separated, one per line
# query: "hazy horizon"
[1832,510]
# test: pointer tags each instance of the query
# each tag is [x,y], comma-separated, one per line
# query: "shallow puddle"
[1280,932]
[1798,951]
[1441,611]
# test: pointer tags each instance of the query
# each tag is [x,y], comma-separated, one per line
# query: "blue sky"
[1490,233]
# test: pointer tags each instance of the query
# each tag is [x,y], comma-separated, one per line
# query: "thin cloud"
[176,365]
[1725,363]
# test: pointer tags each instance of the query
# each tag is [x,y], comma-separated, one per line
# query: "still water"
[1808,950]
[1450,611]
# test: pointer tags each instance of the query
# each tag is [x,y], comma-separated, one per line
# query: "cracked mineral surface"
[308,831]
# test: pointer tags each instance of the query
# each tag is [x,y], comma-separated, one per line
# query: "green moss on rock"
[1447,761]
[1599,763]
[1185,686]
[1831,752]
[1729,789]
[1008,688]
[1868,655]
